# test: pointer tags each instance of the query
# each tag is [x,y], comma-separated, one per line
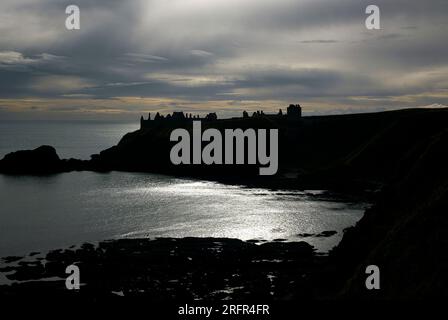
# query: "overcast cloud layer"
[135,56]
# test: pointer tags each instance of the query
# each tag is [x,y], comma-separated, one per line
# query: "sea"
[38,214]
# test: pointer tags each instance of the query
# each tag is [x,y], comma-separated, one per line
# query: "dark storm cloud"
[216,50]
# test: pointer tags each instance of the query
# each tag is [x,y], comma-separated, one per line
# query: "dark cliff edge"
[404,233]
[401,153]
[330,152]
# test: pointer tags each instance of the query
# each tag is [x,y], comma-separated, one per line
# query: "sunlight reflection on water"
[75,207]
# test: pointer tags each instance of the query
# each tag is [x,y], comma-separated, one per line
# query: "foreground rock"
[171,269]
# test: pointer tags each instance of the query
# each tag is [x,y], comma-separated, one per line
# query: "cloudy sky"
[135,56]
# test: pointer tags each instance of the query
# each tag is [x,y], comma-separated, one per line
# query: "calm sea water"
[43,213]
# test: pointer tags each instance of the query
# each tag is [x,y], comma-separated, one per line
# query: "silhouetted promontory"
[338,151]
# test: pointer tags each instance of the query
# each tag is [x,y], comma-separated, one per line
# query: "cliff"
[346,151]
[404,232]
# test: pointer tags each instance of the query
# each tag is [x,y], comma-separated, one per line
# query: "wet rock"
[11,259]
[305,235]
[161,269]
[323,234]
[326,234]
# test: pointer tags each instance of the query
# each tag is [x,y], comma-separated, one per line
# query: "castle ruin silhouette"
[293,112]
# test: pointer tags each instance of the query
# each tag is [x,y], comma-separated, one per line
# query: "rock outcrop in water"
[42,160]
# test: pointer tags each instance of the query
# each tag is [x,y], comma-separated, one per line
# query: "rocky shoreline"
[166,269]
